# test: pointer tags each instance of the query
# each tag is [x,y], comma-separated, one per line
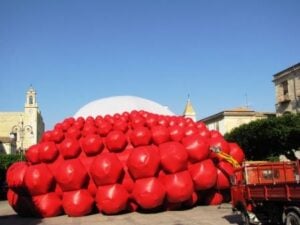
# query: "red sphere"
[48,205]
[197,148]
[32,154]
[92,144]
[48,152]
[112,199]
[70,148]
[149,193]
[236,152]
[15,175]
[179,186]
[213,198]
[160,134]
[176,133]
[143,162]
[71,175]
[77,203]
[173,156]
[116,141]
[204,174]
[38,179]
[140,136]
[106,169]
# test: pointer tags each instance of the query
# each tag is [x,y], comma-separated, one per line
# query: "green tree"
[6,161]
[263,139]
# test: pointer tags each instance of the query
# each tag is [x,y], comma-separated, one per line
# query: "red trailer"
[267,192]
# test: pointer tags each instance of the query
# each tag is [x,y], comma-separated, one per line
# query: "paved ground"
[201,215]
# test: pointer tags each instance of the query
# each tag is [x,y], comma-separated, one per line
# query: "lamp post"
[20,130]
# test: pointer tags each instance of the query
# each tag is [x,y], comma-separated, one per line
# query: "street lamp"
[21,130]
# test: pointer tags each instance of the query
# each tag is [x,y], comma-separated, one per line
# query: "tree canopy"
[266,138]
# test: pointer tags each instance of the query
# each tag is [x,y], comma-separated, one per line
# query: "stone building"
[20,130]
[226,120]
[287,90]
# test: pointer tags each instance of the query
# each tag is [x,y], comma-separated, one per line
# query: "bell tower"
[32,118]
[31,98]
[189,111]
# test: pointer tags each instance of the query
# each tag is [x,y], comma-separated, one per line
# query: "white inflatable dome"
[120,104]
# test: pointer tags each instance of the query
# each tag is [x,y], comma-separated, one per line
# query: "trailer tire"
[245,218]
[292,218]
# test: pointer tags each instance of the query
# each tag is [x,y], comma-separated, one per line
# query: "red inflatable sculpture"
[122,162]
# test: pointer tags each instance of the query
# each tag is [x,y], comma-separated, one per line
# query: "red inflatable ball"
[88,129]
[137,121]
[236,152]
[116,141]
[104,127]
[215,134]
[179,186]
[92,188]
[48,152]
[38,179]
[112,199]
[140,136]
[57,135]
[192,201]
[106,169]
[120,125]
[200,125]
[78,125]
[162,121]
[32,154]
[15,176]
[219,143]
[197,148]
[213,198]
[190,131]
[48,205]
[22,205]
[70,148]
[176,133]
[74,132]
[204,132]
[127,182]
[226,168]
[149,193]
[47,136]
[92,144]
[143,162]
[160,134]
[204,174]
[77,203]
[151,121]
[71,175]
[223,181]
[173,157]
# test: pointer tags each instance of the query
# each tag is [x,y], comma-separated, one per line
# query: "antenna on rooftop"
[246,98]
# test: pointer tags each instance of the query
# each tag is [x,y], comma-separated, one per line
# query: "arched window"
[30,100]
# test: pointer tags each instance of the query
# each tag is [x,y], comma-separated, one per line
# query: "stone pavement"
[200,215]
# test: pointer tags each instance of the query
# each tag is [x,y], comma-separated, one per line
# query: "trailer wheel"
[292,218]
[245,218]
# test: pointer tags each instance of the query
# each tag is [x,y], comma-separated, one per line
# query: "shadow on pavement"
[17,220]
[234,219]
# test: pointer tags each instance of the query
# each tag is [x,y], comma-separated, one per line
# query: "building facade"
[287,90]
[227,120]
[20,130]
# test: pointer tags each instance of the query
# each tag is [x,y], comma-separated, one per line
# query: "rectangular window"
[285,88]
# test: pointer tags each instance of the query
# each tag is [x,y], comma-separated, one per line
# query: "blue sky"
[74,52]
